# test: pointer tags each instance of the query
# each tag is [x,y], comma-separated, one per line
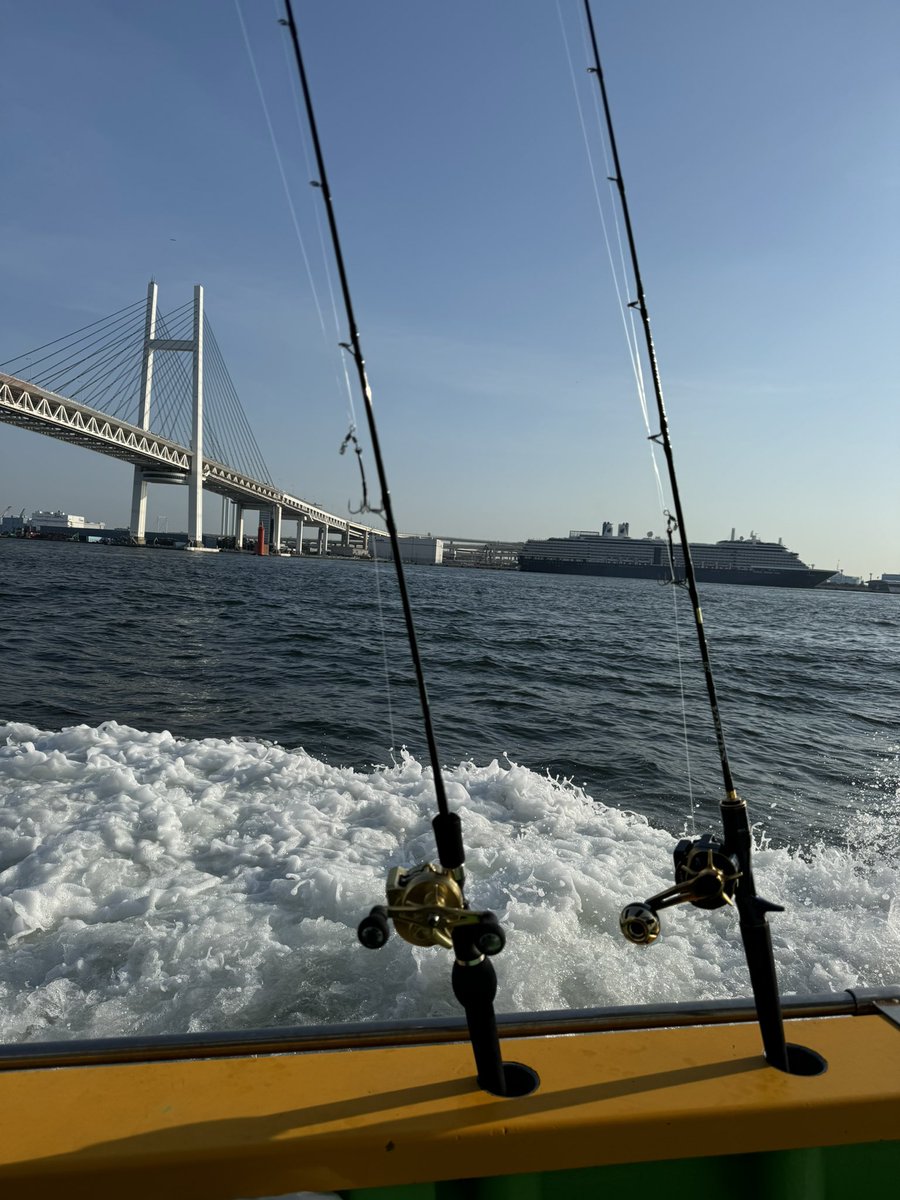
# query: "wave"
[151,884]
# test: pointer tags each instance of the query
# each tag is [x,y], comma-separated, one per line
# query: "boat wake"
[155,885]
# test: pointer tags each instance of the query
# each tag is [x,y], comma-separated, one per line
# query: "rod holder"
[710,874]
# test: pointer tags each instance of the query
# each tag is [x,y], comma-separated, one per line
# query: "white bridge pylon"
[207,473]
[194,347]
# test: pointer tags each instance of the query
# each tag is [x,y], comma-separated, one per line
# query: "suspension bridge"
[153,390]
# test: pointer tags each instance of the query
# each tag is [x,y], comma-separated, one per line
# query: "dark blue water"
[578,677]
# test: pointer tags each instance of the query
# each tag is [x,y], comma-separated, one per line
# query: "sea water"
[208,765]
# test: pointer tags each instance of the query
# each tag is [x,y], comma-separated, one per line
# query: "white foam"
[154,885]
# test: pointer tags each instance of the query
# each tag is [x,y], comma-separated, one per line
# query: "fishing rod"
[426,903]
[708,873]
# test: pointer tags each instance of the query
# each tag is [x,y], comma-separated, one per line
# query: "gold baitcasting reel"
[425,904]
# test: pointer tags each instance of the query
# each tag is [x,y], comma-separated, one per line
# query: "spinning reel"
[705,876]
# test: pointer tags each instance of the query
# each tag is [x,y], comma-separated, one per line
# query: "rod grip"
[448,835]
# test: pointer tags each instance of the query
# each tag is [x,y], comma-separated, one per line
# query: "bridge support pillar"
[300,524]
[276,529]
[139,489]
[138,523]
[195,481]
[323,540]
[238,526]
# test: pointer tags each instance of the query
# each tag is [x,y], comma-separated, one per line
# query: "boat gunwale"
[432,1030]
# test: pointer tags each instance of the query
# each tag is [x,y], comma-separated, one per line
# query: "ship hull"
[792,578]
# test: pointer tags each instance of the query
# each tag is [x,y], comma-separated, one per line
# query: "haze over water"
[197,846]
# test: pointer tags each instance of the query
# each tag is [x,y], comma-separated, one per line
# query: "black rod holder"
[474,983]
[475,986]
[755,933]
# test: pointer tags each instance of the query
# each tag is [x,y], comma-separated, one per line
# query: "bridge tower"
[143,476]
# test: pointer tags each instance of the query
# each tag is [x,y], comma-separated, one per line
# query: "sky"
[759,147]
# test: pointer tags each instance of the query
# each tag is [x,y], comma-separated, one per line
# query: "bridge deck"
[31,407]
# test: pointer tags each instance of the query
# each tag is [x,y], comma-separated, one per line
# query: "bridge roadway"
[31,407]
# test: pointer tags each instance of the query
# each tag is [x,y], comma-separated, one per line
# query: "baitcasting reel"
[426,905]
[705,876]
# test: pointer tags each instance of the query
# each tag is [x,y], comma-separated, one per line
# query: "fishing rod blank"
[426,903]
[708,873]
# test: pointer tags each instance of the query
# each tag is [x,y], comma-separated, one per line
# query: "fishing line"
[664,439]
[292,87]
[632,344]
[684,716]
[639,366]
[350,437]
[384,653]
[619,281]
[631,337]
[447,825]
[281,170]
[278,158]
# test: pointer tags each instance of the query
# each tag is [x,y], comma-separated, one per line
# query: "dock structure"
[472,552]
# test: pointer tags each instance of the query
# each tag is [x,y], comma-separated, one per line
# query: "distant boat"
[733,560]
[887,583]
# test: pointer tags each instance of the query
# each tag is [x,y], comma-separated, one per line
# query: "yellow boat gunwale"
[425,1031]
[384,1116]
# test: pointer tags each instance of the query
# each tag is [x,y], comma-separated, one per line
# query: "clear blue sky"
[760,151]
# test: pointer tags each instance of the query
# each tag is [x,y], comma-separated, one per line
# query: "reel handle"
[705,876]
[373,931]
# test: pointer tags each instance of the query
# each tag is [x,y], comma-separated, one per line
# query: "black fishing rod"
[426,903]
[708,873]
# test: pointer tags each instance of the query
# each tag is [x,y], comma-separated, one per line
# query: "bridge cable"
[122,341]
[170,388]
[172,385]
[56,367]
[242,431]
[240,444]
[124,384]
[113,364]
[59,368]
[99,365]
[65,337]
[218,427]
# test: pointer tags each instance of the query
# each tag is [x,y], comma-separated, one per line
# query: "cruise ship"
[733,560]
